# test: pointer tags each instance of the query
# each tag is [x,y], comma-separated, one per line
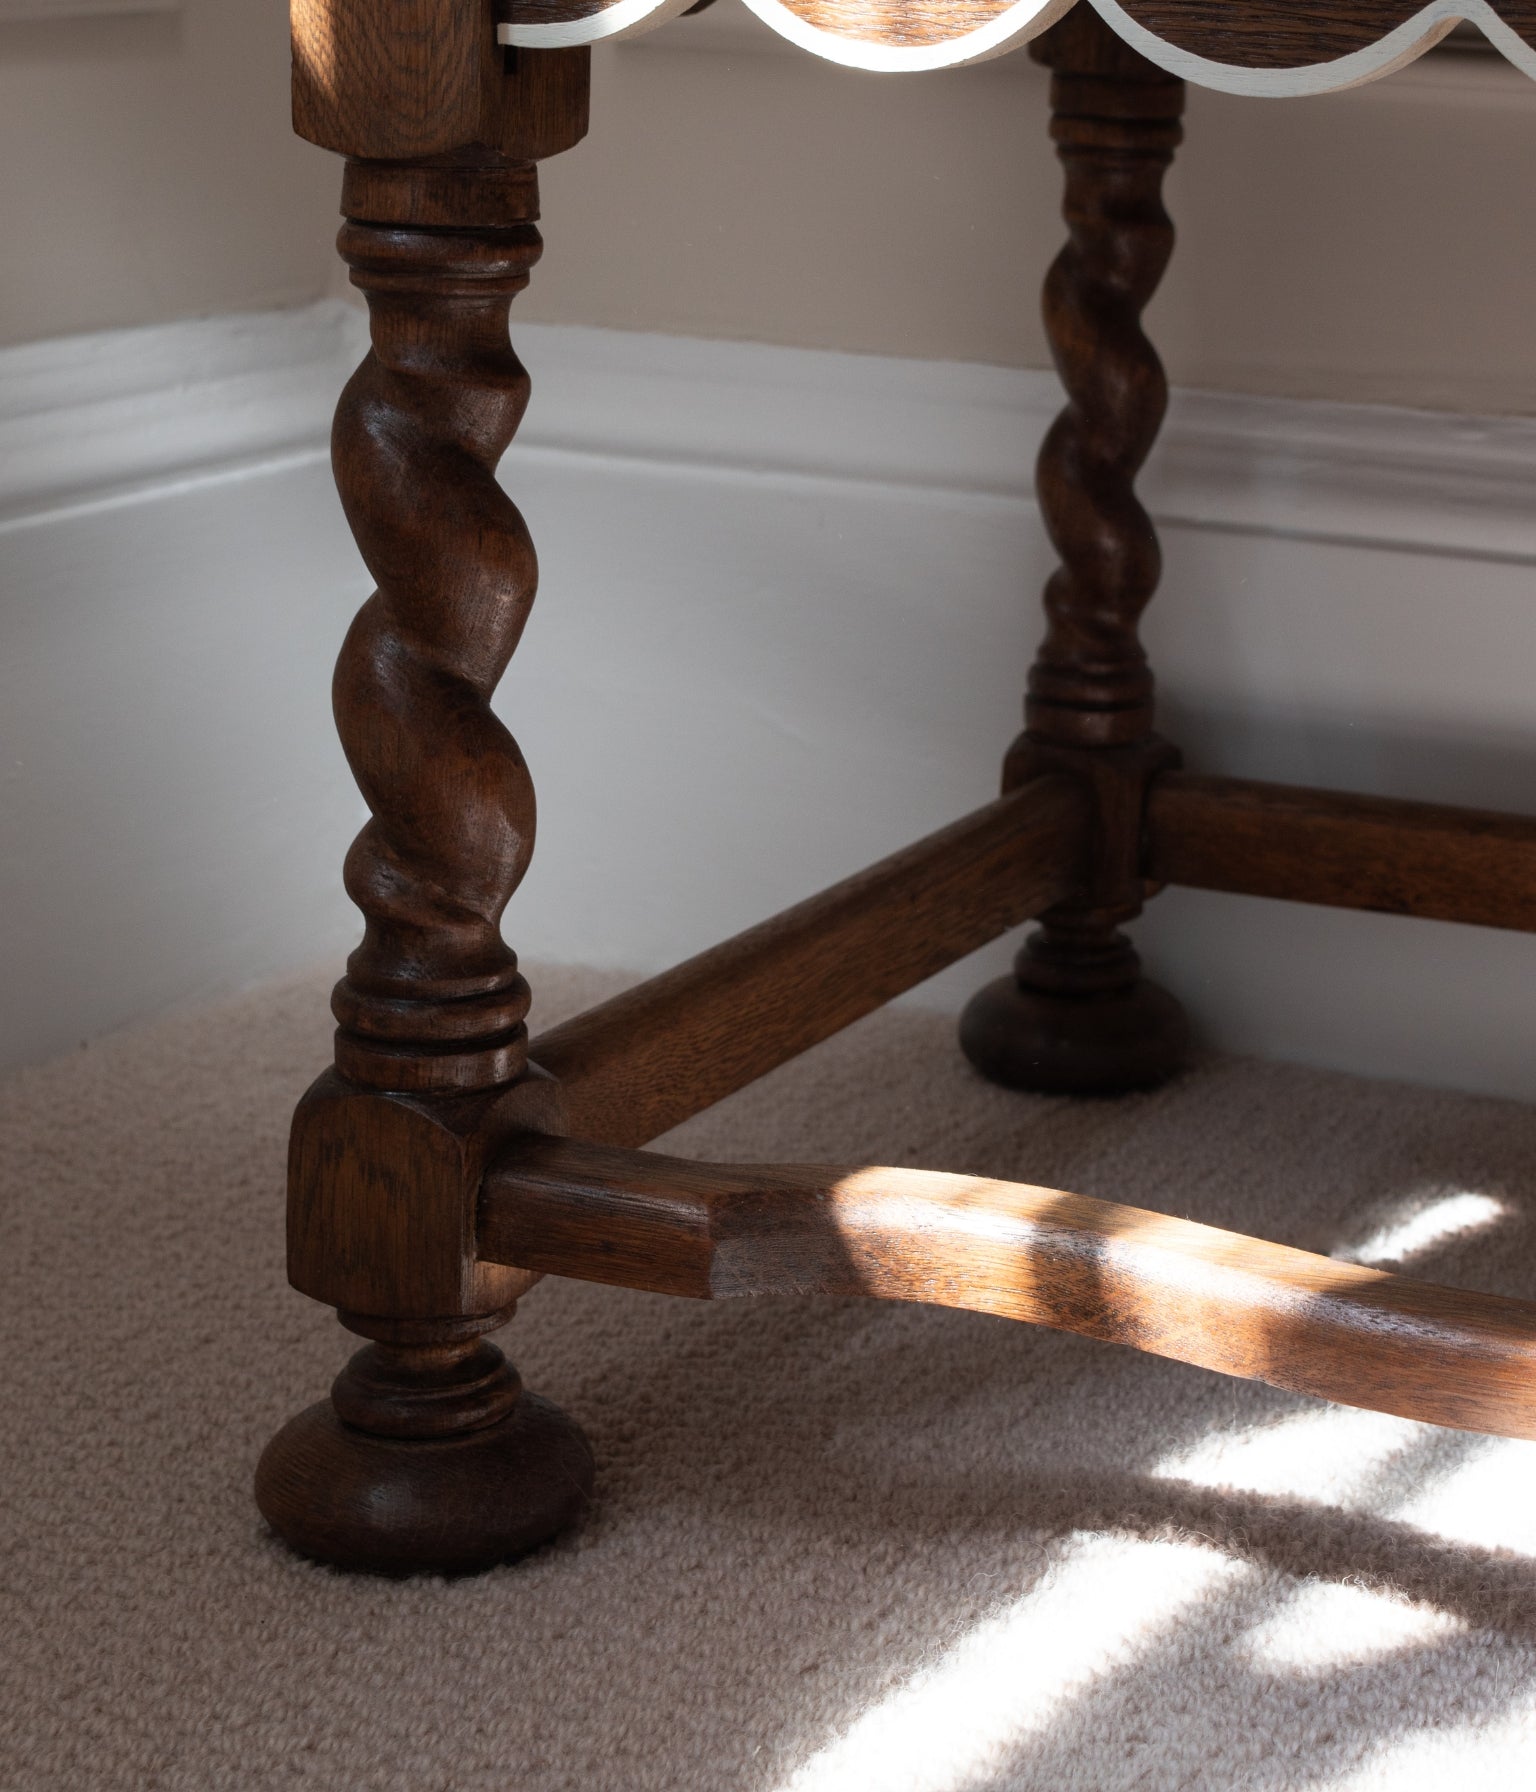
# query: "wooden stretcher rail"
[644,1062]
[1344,851]
[1217,1299]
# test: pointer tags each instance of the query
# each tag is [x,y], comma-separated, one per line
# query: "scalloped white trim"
[626,18]
[1015,26]
[632,18]
[1027,19]
[1405,44]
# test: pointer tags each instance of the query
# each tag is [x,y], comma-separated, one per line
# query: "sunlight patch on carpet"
[1325,1453]
[1326,1625]
[1422,1222]
[1494,1757]
[1488,1501]
[1104,1601]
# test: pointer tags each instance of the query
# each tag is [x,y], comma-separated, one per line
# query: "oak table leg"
[427,1455]
[1077,1016]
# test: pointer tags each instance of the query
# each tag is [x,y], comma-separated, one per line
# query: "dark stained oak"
[428,1455]
[396,79]
[1346,851]
[1077,1017]
[1238,1305]
[431,1181]
[381,1195]
[1115,120]
[432,999]
[644,1062]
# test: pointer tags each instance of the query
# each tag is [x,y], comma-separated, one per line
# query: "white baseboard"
[799,588]
[90,419]
[1304,470]
[87,420]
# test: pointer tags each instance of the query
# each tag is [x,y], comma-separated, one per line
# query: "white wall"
[174,579]
[147,170]
[1370,245]
[787,603]
[1367,245]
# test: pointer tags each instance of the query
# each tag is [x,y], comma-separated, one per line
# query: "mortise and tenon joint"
[436,1171]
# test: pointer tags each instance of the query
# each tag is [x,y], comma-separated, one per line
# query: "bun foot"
[1075,1020]
[458,1470]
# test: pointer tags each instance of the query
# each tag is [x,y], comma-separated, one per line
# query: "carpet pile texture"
[838,1545]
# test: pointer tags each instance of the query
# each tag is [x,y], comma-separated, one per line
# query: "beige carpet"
[839,1545]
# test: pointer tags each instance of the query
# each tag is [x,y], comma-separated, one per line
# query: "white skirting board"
[788,601]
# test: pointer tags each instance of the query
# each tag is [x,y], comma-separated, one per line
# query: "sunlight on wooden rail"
[1219,1300]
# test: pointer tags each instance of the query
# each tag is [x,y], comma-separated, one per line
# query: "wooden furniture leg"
[1077,1016]
[428,1454]
[430,1181]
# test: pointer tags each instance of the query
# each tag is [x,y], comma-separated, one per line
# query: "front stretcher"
[442,1164]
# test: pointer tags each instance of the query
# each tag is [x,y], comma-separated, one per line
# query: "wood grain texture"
[382,1190]
[644,1062]
[426,78]
[899,22]
[406,83]
[465,194]
[1077,1017]
[1238,1305]
[432,999]
[428,1458]
[1115,123]
[1345,851]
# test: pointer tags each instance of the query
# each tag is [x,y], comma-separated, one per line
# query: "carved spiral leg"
[427,1456]
[1077,1017]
